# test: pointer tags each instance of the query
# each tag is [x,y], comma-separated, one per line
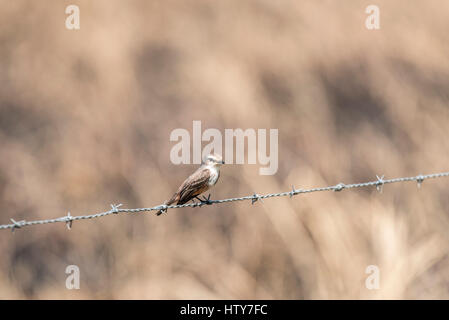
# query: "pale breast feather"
[214,175]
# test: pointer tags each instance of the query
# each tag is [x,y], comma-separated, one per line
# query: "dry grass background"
[85,118]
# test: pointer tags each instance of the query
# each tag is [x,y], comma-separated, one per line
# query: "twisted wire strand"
[115,209]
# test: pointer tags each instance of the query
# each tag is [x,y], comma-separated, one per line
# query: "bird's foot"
[204,200]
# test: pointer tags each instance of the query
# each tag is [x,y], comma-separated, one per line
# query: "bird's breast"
[214,175]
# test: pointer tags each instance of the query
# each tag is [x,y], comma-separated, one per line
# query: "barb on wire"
[69,221]
[255,198]
[16,224]
[115,209]
[419,180]
[380,183]
[339,187]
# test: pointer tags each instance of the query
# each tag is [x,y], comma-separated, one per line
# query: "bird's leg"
[206,200]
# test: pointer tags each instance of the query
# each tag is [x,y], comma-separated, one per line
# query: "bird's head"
[213,160]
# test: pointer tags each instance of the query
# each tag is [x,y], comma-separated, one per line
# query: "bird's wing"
[194,185]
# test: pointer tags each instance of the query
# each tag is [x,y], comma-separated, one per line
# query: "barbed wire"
[115,209]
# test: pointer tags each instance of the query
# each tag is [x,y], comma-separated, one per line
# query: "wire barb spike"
[115,208]
[380,183]
[293,192]
[419,180]
[69,220]
[16,224]
[164,208]
[339,187]
[255,198]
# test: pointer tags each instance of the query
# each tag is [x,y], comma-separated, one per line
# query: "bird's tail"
[167,203]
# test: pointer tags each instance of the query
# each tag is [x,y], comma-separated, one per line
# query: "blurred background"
[85,121]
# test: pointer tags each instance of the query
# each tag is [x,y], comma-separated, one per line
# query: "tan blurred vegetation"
[85,119]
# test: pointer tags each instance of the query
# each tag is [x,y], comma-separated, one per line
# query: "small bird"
[200,181]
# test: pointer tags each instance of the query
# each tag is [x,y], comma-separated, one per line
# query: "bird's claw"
[205,201]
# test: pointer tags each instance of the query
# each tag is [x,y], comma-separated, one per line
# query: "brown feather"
[193,186]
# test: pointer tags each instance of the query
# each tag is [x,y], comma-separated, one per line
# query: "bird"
[205,177]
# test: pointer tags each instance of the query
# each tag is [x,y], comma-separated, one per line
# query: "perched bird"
[200,181]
